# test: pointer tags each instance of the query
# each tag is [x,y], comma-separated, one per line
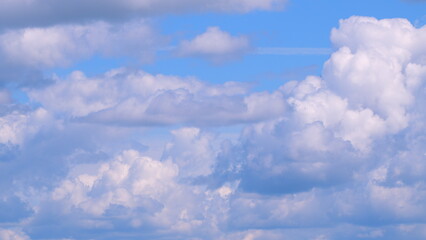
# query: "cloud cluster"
[336,156]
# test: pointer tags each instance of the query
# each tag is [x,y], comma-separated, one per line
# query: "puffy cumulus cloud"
[314,103]
[17,126]
[117,182]
[47,12]
[382,59]
[136,193]
[192,151]
[61,45]
[215,45]
[126,97]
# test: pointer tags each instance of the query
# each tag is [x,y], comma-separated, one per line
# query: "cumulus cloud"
[126,97]
[22,13]
[353,68]
[143,176]
[61,45]
[215,45]
[16,126]
[192,151]
[26,53]
[140,192]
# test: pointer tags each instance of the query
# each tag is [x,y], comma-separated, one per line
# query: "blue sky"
[200,119]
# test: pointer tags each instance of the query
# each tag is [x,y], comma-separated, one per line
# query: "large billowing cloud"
[347,152]
[340,156]
[22,13]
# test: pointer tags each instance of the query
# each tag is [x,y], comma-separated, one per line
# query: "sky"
[212,120]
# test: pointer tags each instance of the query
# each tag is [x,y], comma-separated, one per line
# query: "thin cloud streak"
[277,51]
[292,51]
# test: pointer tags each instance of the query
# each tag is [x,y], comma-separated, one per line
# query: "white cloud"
[312,103]
[61,45]
[374,66]
[215,45]
[127,97]
[192,151]
[121,181]
[146,191]
[16,127]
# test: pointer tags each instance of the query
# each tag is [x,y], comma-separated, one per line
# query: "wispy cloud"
[292,51]
[277,50]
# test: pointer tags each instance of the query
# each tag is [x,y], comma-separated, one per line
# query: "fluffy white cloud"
[127,97]
[17,126]
[63,44]
[192,151]
[378,66]
[312,103]
[139,192]
[119,182]
[215,45]
[45,12]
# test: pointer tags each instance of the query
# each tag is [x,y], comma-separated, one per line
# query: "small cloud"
[214,45]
